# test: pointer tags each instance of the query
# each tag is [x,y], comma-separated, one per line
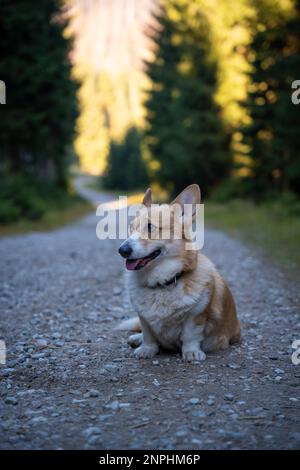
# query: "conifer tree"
[185,132]
[114,174]
[41,106]
[126,168]
[273,135]
[135,170]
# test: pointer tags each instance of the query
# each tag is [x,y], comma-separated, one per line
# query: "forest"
[219,106]
[177,92]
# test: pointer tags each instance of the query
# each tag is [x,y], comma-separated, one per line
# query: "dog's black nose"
[125,250]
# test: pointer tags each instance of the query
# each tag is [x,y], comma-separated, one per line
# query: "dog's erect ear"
[190,195]
[147,200]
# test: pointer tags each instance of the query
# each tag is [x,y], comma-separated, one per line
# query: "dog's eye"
[150,228]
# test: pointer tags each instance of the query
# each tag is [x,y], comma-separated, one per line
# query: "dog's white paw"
[135,340]
[191,356]
[145,351]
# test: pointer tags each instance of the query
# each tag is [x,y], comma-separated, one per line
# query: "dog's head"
[160,232]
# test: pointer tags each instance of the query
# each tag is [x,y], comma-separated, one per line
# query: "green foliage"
[185,131]
[272,137]
[23,197]
[126,168]
[232,188]
[41,108]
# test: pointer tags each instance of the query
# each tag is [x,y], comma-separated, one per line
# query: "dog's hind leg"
[215,343]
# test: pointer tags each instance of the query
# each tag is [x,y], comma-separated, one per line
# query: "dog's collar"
[171,281]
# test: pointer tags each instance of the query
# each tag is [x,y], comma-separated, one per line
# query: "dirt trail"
[71,382]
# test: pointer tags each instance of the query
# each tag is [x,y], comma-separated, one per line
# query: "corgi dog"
[182,301]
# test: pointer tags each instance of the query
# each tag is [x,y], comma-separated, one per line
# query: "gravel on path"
[71,382]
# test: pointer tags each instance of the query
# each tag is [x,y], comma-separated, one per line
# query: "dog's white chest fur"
[168,310]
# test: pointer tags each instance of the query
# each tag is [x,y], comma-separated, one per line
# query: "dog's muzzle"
[125,249]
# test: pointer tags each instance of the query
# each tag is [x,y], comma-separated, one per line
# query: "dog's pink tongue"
[132,264]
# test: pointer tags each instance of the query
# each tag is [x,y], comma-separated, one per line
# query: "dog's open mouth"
[139,263]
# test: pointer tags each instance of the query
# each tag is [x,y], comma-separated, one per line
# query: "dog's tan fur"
[198,313]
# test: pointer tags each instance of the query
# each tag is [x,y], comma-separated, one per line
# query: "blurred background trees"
[110,43]
[185,130]
[37,127]
[272,135]
[169,92]
[41,108]
[126,169]
[213,88]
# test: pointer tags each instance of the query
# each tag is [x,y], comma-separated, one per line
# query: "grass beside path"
[270,228]
[52,219]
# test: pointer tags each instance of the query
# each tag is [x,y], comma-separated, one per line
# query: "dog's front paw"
[191,356]
[146,350]
[135,340]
